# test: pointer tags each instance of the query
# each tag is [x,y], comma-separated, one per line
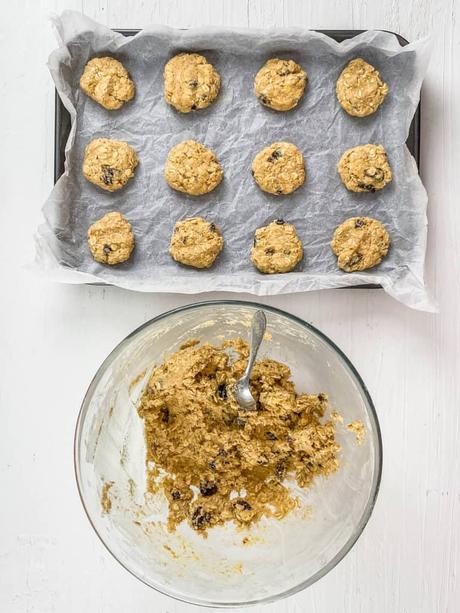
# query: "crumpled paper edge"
[410,289]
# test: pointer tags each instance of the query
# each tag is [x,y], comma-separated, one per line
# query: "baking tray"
[62,119]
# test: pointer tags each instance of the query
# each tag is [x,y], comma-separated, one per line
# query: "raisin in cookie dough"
[277,248]
[360,90]
[107,81]
[279,168]
[109,164]
[190,82]
[360,243]
[111,239]
[280,84]
[201,447]
[196,242]
[193,169]
[365,168]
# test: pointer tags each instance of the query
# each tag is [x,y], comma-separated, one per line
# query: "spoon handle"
[258,325]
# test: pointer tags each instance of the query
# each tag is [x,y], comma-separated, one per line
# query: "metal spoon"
[242,392]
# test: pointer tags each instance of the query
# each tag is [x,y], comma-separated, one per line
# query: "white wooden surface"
[54,337]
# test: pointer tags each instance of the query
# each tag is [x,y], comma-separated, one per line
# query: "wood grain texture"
[54,337]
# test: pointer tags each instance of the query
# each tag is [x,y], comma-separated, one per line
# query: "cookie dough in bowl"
[279,169]
[190,82]
[193,169]
[365,168]
[280,84]
[193,495]
[196,242]
[276,248]
[360,243]
[111,239]
[107,81]
[360,90]
[109,163]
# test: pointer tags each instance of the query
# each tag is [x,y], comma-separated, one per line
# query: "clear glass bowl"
[279,557]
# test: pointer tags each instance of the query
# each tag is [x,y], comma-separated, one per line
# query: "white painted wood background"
[53,338]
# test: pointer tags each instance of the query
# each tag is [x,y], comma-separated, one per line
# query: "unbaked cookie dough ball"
[107,81]
[111,239]
[365,168]
[193,169]
[277,248]
[196,242]
[279,168]
[360,243]
[360,90]
[280,84]
[108,163]
[190,82]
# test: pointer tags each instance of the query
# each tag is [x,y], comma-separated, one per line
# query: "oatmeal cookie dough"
[279,168]
[202,448]
[360,243]
[193,168]
[280,84]
[107,81]
[109,164]
[111,239]
[196,242]
[190,82]
[360,90]
[365,168]
[277,248]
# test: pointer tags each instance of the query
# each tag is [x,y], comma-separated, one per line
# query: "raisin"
[107,175]
[280,222]
[107,249]
[193,107]
[212,465]
[252,172]
[222,453]
[175,495]
[367,187]
[276,155]
[359,223]
[200,518]
[255,241]
[321,397]
[280,470]
[264,99]
[242,505]
[222,391]
[271,436]
[164,412]
[287,252]
[193,84]
[212,227]
[269,251]
[207,488]
[278,191]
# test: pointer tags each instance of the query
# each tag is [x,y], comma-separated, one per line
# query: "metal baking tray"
[62,118]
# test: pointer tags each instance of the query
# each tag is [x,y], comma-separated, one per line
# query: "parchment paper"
[236,127]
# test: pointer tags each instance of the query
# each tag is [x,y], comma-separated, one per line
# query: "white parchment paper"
[236,127]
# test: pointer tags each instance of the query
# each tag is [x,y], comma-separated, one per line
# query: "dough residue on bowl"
[218,463]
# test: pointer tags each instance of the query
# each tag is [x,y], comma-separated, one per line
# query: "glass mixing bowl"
[277,558]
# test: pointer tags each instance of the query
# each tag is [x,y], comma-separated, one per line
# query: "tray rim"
[62,121]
